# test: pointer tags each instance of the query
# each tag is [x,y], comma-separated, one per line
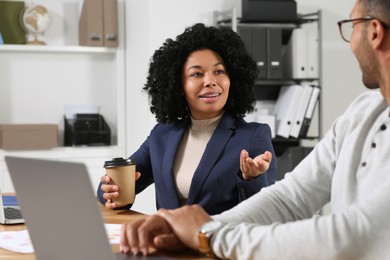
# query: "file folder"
[91,23]
[301,109]
[286,107]
[110,23]
[309,111]
[274,51]
[98,25]
[259,46]
[246,36]
[255,40]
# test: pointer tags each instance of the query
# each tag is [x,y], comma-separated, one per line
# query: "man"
[349,168]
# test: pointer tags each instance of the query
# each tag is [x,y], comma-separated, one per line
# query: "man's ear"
[376,33]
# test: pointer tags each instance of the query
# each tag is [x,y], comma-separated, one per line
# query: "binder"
[259,50]
[265,47]
[11,29]
[286,107]
[110,23]
[91,23]
[312,49]
[98,25]
[246,36]
[301,109]
[274,50]
[302,52]
[296,56]
[309,111]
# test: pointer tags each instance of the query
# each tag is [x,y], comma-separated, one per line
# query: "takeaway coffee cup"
[122,173]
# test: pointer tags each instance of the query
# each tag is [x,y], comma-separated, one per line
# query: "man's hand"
[171,230]
[251,168]
[185,223]
[150,232]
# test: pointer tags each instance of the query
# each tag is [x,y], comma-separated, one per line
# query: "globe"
[36,20]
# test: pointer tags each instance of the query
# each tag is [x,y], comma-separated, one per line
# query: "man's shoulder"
[370,95]
[366,100]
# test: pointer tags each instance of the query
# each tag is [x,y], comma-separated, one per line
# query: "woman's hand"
[111,192]
[251,168]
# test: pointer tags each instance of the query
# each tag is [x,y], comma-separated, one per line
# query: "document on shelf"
[72,110]
[20,242]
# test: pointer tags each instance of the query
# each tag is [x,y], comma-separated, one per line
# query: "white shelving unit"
[37,82]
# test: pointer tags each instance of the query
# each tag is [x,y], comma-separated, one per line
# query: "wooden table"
[109,216]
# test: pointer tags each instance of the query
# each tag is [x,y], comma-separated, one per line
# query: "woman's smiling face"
[205,84]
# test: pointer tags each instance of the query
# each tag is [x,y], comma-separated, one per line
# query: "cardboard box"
[28,136]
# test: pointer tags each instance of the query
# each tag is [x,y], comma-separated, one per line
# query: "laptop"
[9,210]
[61,211]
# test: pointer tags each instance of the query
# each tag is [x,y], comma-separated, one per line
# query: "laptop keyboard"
[12,213]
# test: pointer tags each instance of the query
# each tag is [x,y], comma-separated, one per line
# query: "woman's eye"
[220,72]
[196,74]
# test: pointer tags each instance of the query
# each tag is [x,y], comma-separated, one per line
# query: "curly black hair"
[164,82]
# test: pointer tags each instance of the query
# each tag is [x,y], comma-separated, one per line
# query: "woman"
[200,152]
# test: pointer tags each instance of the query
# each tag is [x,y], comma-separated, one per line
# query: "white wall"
[150,22]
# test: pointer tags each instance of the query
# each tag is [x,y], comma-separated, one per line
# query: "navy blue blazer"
[217,184]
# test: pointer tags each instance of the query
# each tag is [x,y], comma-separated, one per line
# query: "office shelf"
[37,82]
[55,49]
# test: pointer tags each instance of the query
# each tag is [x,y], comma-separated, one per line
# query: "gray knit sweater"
[350,168]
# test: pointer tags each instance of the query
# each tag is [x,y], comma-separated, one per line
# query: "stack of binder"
[294,110]
[98,25]
[286,107]
[302,53]
[265,46]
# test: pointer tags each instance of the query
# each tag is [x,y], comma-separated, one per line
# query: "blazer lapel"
[211,154]
[172,145]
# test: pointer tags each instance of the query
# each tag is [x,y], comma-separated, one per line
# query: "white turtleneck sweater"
[190,152]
